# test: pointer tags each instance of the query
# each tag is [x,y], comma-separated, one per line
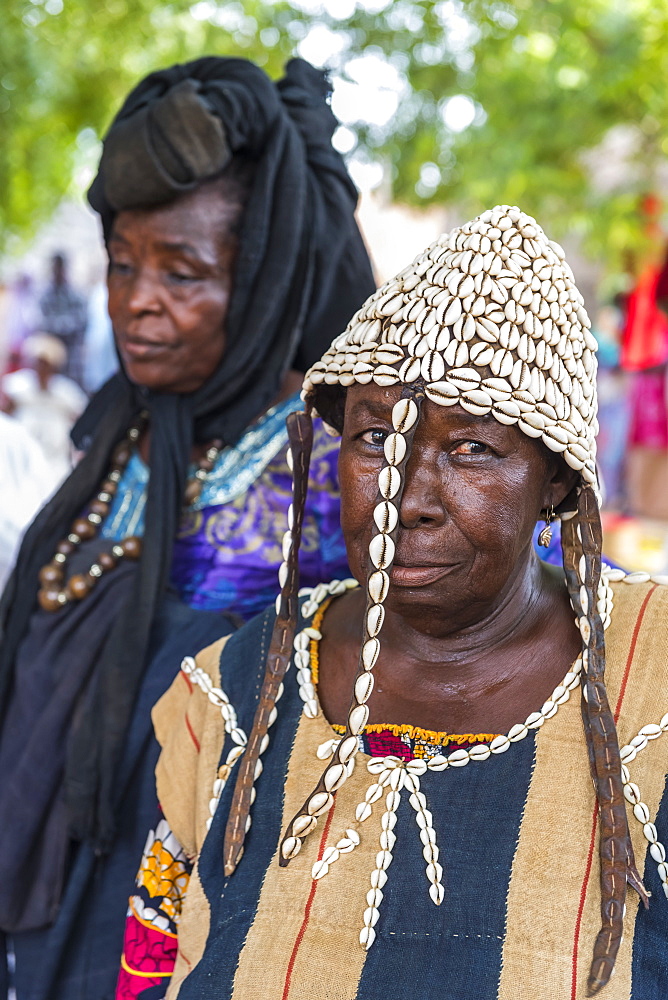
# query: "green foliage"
[546,81]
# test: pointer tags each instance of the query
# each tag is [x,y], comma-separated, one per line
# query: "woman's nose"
[422,501]
[144,293]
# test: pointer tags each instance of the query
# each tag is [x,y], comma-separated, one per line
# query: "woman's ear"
[560,483]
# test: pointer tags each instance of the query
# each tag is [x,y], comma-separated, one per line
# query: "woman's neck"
[478,678]
[292,383]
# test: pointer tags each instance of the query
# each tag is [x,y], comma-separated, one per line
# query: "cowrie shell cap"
[497,296]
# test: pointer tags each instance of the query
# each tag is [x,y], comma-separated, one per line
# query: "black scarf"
[301,272]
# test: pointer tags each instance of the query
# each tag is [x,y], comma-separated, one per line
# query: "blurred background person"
[63,314]
[26,481]
[234,259]
[44,401]
[613,407]
[100,360]
[21,318]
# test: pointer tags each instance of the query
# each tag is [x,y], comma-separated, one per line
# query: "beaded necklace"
[54,592]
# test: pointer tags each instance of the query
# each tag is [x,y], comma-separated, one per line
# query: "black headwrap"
[301,272]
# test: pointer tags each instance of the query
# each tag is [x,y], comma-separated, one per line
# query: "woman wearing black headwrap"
[235,257]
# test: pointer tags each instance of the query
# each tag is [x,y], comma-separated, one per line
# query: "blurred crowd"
[57,349]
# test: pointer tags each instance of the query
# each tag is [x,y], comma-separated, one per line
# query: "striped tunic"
[517,835]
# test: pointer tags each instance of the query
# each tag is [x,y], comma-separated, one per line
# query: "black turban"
[301,272]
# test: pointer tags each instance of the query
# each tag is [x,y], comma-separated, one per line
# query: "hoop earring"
[545,536]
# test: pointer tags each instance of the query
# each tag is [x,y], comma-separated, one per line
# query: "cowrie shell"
[529,429]
[348,747]
[410,370]
[381,551]
[502,363]
[395,448]
[506,411]
[461,355]
[374,619]
[509,336]
[404,415]
[478,306]
[498,388]
[370,652]
[481,354]
[520,375]
[363,688]
[433,367]
[384,375]
[379,581]
[476,401]
[291,847]
[319,803]
[442,393]
[555,438]
[388,354]
[358,718]
[389,304]
[389,482]
[534,420]
[464,378]
[468,329]
[386,516]
[453,312]
[334,777]
[489,326]
[303,825]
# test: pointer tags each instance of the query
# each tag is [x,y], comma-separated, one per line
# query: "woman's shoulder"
[636,643]
[637,603]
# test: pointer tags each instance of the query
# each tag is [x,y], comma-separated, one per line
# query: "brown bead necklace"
[54,592]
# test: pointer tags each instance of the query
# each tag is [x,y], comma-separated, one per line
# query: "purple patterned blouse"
[228,548]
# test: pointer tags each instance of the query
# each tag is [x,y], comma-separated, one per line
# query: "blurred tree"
[558,105]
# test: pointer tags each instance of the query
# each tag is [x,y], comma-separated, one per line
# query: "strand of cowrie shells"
[581,542]
[316,596]
[397,448]
[641,812]
[300,440]
[217,697]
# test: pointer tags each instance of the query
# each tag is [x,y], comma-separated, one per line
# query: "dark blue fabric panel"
[649,970]
[78,958]
[452,951]
[234,900]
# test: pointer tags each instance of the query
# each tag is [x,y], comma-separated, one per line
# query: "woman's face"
[170,279]
[474,490]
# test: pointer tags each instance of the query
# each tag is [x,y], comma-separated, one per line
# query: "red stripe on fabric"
[307,909]
[192,734]
[590,856]
[632,649]
[186,679]
[583,896]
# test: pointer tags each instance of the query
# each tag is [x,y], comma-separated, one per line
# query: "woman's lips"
[143,349]
[418,576]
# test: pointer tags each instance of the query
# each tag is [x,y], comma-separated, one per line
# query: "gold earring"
[545,536]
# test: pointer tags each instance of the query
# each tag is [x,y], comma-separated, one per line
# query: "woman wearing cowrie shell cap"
[415,796]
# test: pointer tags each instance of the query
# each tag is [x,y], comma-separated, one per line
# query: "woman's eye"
[119,267]
[376,436]
[180,278]
[471,448]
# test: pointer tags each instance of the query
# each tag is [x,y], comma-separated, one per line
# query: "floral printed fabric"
[153,915]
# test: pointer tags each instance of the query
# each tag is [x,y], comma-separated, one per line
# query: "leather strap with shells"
[488,317]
